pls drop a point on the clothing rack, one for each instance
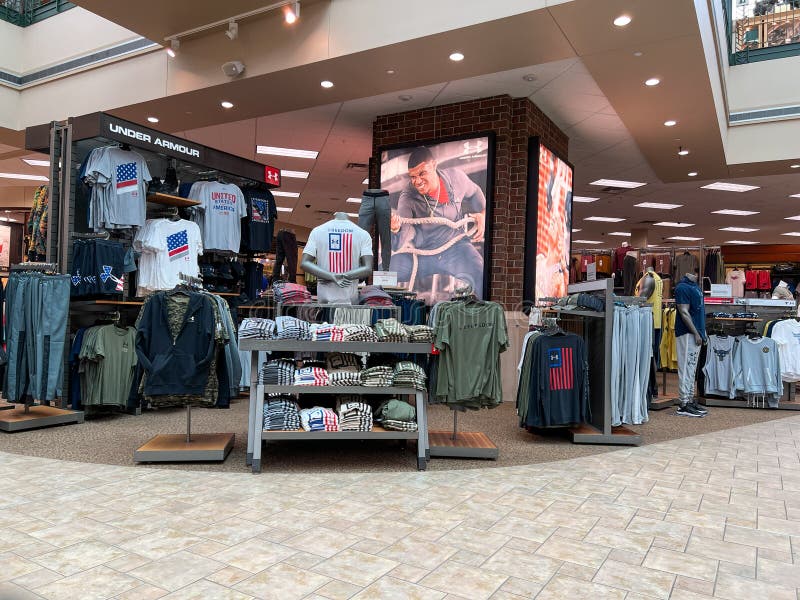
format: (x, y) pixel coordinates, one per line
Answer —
(100, 235)
(39, 267)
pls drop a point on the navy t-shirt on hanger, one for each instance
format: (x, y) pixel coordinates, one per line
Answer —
(258, 227)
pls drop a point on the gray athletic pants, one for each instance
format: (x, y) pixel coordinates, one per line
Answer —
(688, 355)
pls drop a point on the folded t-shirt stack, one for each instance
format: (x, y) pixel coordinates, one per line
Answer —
(291, 293)
(396, 414)
(374, 296)
(390, 330)
(311, 376)
(377, 376)
(419, 334)
(343, 369)
(409, 374)
(277, 372)
(291, 328)
(354, 415)
(281, 413)
(261, 329)
(359, 333)
(327, 333)
(319, 419)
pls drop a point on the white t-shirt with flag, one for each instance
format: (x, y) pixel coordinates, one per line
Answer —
(168, 249)
(338, 246)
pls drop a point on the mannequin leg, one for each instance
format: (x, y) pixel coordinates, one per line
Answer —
(688, 355)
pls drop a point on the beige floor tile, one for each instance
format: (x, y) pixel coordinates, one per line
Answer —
(177, 570)
(663, 530)
(282, 582)
(731, 587)
(303, 560)
(681, 564)
(324, 542)
(126, 563)
(469, 582)
(511, 562)
(229, 576)
(254, 555)
(32, 549)
(589, 555)
(720, 550)
(207, 548)
(356, 567)
(388, 532)
(566, 588)
(79, 557)
(576, 571)
(73, 532)
(471, 559)
(474, 540)
(779, 573)
(37, 579)
(338, 590)
(408, 573)
(521, 587)
(389, 588)
(12, 591)
(746, 571)
(635, 579)
(206, 590)
(523, 528)
(98, 583)
(627, 557)
(161, 543)
(781, 526)
(143, 592)
(757, 537)
(620, 539)
(425, 555)
(678, 594)
(13, 566)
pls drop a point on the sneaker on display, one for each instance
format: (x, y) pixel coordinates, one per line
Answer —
(687, 410)
(699, 408)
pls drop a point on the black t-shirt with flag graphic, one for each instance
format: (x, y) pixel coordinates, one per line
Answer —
(258, 227)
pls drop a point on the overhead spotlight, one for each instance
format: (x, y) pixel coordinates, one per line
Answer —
(174, 45)
(794, 166)
(456, 57)
(652, 81)
(682, 151)
(233, 30)
(226, 104)
(326, 84)
(670, 123)
(291, 12)
(153, 119)
(622, 20)
(692, 174)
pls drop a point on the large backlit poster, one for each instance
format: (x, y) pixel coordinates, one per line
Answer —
(5, 246)
(440, 194)
(549, 224)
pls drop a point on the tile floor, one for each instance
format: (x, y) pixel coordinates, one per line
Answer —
(711, 516)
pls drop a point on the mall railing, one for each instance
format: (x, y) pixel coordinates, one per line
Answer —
(762, 29)
(28, 12)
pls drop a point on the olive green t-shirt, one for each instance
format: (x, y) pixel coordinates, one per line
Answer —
(113, 351)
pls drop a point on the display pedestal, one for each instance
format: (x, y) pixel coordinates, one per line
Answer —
(469, 444)
(17, 418)
(6, 405)
(588, 434)
(175, 448)
(662, 403)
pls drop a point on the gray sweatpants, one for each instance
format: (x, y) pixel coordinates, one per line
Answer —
(688, 355)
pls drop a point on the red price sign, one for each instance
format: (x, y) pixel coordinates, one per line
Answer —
(272, 175)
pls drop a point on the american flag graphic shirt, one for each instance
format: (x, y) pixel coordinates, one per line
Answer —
(340, 252)
(562, 374)
(178, 245)
(127, 180)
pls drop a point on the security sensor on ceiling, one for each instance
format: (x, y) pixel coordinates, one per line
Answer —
(233, 68)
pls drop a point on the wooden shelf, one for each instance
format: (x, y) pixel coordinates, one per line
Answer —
(736, 319)
(104, 303)
(468, 444)
(365, 390)
(169, 200)
(227, 294)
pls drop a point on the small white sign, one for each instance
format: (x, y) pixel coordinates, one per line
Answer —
(591, 272)
(384, 278)
(721, 290)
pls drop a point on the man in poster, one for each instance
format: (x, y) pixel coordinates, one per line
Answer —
(554, 226)
(447, 249)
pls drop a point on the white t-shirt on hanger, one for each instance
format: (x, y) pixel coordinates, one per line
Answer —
(787, 335)
(168, 249)
(223, 207)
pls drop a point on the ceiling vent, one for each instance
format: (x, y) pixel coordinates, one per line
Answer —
(647, 222)
(613, 190)
(357, 166)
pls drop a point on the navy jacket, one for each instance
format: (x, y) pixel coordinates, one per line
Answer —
(182, 366)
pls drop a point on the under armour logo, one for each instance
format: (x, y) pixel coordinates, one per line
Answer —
(473, 148)
(106, 274)
(76, 279)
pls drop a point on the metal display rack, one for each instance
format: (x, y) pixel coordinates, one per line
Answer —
(256, 434)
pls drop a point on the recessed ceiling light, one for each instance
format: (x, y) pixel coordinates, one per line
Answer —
(226, 104)
(736, 213)
(729, 187)
(286, 194)
(795, 218)
(673, 224)
(605, 219)
(739, 229)
(682, 151)
(366, 181)
(354, 215)
(586, 242)
(658, 205)
(585, 199)
(529, 77)
(456, 57)
(792, 196)
(684, 238)
(10, 219)
(652, 81)
(283, 208)
(153, 119)
(740, 242)
(792, 233)
(670, 123)
(794, 166)
(390, 71)
(622, 20)
(617, 183)
(354, 200)
(22, 176)
(326, 84)
(405, 97)
(692, 173)
(291, 152)
(574, 230)
(638, 53)
(620, 234)
(36, 163)
(294, 174)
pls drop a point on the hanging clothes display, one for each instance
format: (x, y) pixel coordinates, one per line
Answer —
(36, 227)
(686, 263)
(37, 307)
(285, 251)
(99, 267)
(107, 365)
(258, 227)
(718, 367)
(756, 369)
(554, 381)
(469, 335)
(786, 334)
(629, 272)
(736, 279)
(222, 206)
(668, 350)
(631, 358)
(168, 249)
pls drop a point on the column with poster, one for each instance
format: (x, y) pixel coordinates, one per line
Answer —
(5, 246)
(440, 195)
(548, 229)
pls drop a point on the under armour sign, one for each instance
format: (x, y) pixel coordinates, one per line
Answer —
(272, 175)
